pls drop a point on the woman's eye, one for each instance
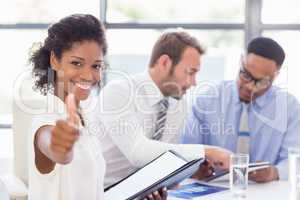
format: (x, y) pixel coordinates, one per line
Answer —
(76, 63)
(97, 66)
(100, 67)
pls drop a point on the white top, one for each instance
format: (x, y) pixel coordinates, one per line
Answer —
(82, 178)
(128, 110)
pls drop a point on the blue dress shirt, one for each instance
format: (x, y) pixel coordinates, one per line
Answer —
(274, 123)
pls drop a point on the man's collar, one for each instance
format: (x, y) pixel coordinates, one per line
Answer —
(152, 92)
(259, 101)
(262, 100)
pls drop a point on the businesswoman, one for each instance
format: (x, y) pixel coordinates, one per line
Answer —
(65, 161)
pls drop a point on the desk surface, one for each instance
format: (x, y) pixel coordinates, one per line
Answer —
(278, 190)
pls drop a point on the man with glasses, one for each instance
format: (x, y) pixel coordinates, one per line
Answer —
(250, 115)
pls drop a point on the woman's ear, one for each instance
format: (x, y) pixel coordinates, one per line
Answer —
(54, 63)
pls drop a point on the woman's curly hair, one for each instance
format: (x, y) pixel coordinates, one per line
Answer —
(61, 37)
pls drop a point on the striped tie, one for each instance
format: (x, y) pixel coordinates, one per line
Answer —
(243, 142)
(161, 119)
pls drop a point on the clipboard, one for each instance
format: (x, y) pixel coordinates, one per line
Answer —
(168, 180)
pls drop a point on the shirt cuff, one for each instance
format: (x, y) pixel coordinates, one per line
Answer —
(191, 151)
(283, 171)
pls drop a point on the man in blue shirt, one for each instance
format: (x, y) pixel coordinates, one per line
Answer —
(273, 114)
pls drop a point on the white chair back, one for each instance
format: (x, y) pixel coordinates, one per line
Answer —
(23, 112)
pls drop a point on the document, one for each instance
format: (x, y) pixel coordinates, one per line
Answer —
(194, 190)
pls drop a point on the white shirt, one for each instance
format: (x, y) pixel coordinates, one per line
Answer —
(128, 110)
(81, 179)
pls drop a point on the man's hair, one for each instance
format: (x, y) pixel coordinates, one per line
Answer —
(173, 44)
(267, 48)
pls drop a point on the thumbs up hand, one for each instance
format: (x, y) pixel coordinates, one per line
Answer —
(65, 133)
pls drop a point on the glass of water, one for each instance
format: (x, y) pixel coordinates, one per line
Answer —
(294, 173)
(239, 164)
(297, 191)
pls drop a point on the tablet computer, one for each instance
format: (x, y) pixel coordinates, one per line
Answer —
(252, 167)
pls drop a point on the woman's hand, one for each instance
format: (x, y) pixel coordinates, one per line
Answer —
(65, 133)
(158, 195)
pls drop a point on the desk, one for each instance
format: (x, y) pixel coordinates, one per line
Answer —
(3, 192)
(278, 190)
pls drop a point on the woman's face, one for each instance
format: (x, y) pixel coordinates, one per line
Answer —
(78, 70)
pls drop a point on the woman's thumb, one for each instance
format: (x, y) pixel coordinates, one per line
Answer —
(71, 109)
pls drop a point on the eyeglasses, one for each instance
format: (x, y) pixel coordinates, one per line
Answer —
(259, 83)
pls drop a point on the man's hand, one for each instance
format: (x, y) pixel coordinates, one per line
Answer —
(205, 170)
(158, 195)
(264, 175)
(219, 157)
(65, 133)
